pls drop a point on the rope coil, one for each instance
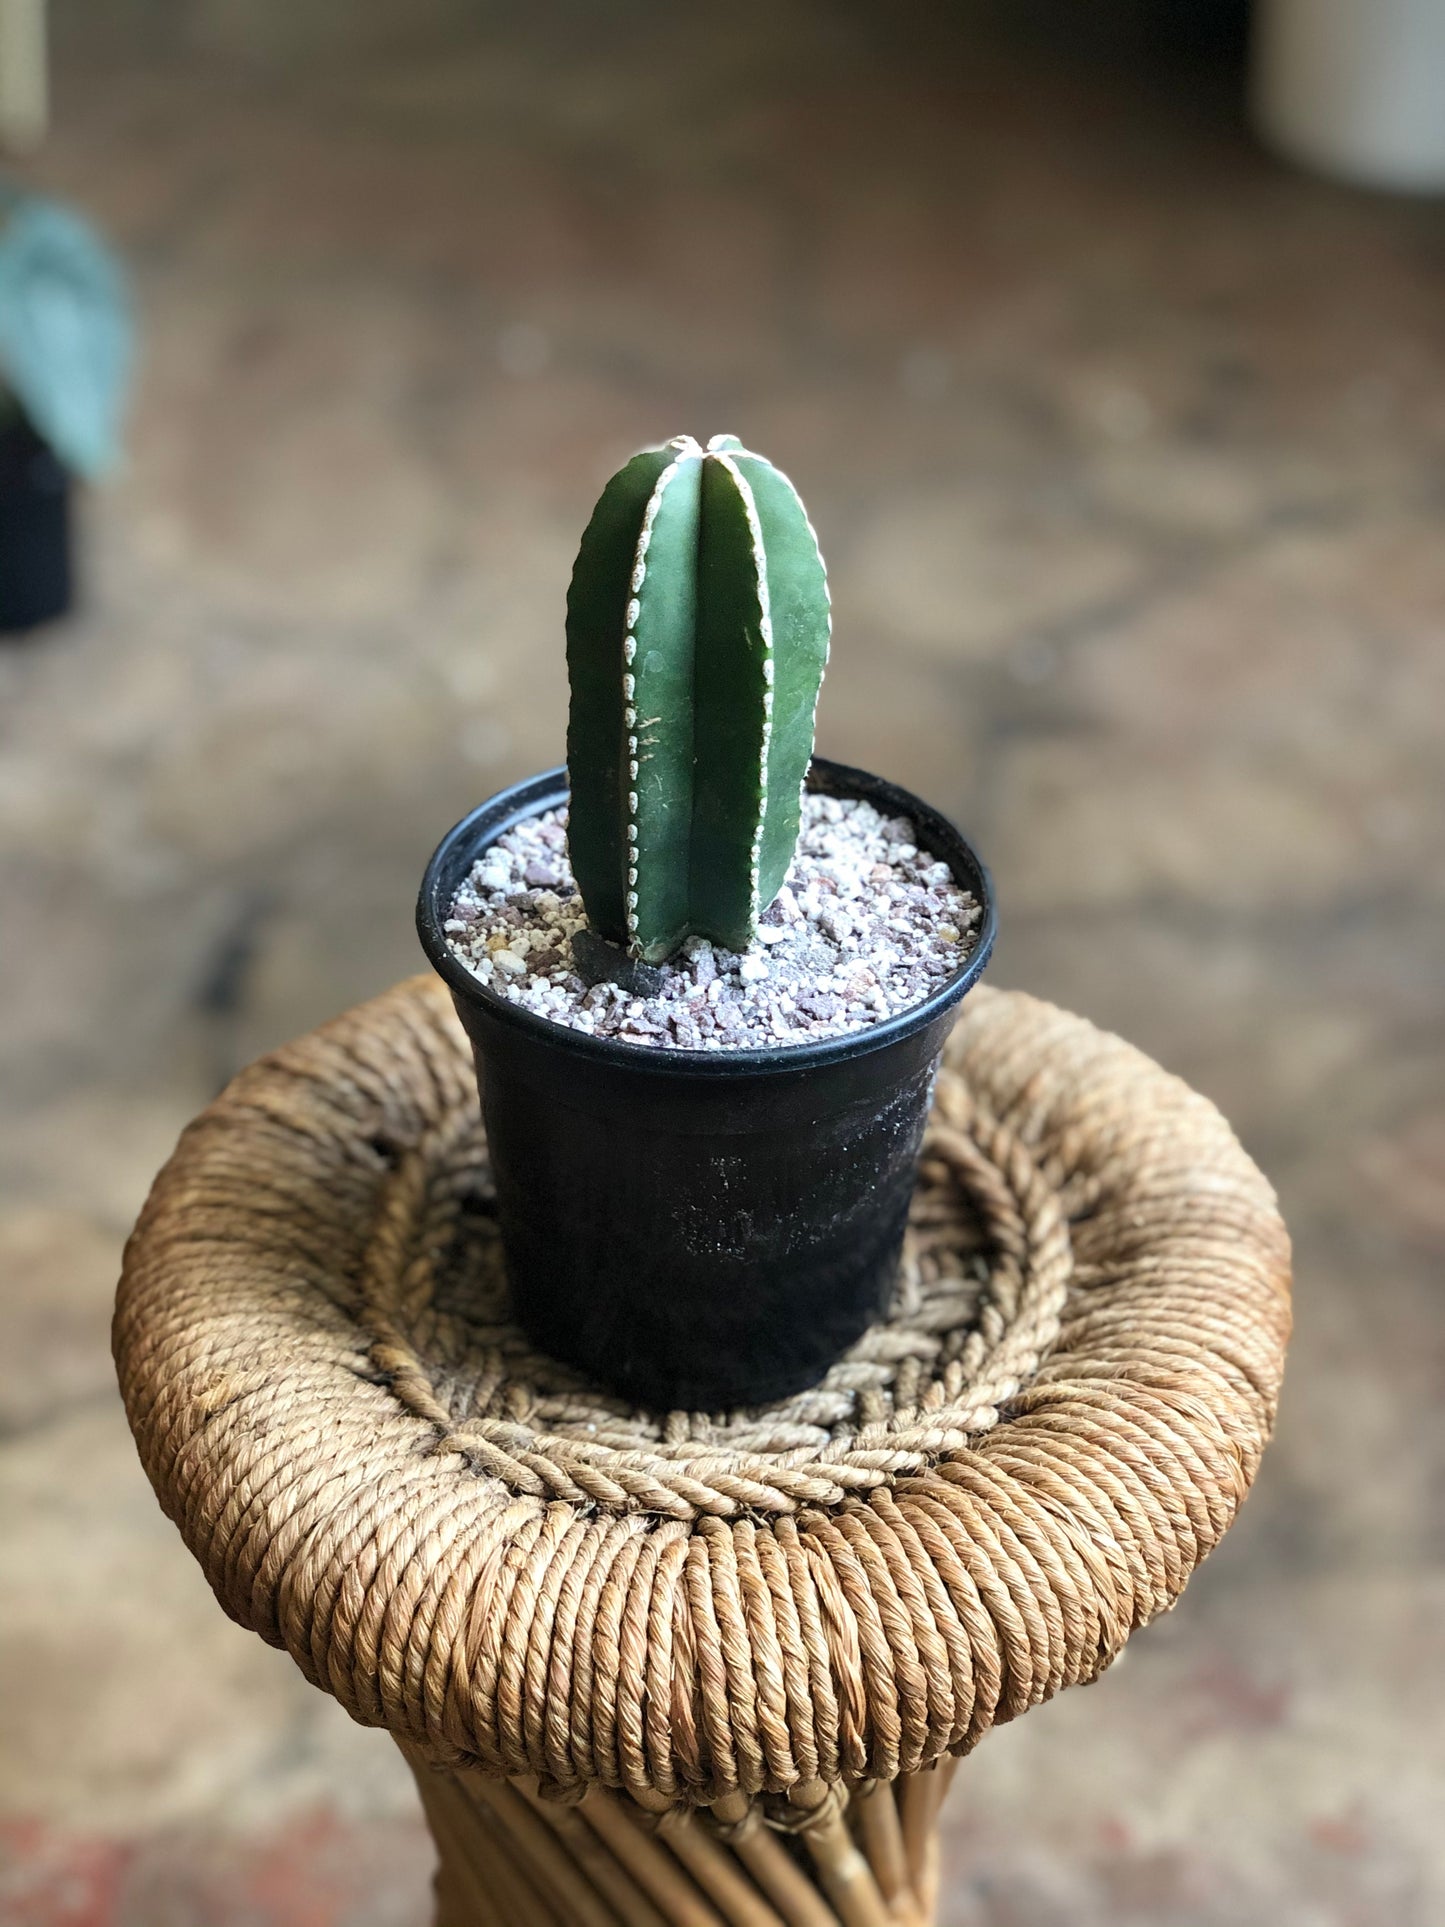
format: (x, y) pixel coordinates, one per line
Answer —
(467, 1544)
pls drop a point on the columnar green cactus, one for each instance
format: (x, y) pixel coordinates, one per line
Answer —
(697, 634)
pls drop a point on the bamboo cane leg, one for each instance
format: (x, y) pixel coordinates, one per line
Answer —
(464, 1897)
(523, 1898)
(613, 1881)
(510, 1859)
(717, 1872)
(782, 1879)
(945, 1770)
(456, 1904)
(453, 1909)
(844, 1874)
(875, 1812)
(552, 1873)
(919, 1796)
(650, 1864)
(919, 1800)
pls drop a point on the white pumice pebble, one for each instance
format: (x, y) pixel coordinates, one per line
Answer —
(865, 926)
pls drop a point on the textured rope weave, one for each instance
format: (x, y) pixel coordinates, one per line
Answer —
(465, 1543)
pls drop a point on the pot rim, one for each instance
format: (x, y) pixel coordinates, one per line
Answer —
(518, 802)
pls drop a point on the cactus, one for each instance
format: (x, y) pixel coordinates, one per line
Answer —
(697, 634)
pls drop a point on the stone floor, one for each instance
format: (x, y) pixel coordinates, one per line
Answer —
(1128, 451)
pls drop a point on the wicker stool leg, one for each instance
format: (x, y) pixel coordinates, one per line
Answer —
(510, 1858)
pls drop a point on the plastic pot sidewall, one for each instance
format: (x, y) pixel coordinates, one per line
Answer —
(35, 568)
(696, 1243)
(699, 1229)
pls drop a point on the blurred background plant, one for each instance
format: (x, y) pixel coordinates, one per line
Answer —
(65, 353)
(65, 330)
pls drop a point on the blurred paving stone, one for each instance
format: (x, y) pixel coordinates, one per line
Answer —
(1110, 820)
(317, 1870)
(90, 1153)
(1253, 1787)
(55, 1308)
(965, 574)
(164, 1710)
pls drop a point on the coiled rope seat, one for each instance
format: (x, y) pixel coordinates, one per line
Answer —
(677, 1667)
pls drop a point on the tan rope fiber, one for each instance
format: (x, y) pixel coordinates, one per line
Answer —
(520, 1577)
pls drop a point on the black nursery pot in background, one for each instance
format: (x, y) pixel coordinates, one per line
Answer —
(700, 1229)
(35, 583)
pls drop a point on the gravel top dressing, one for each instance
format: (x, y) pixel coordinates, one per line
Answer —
(866, 926)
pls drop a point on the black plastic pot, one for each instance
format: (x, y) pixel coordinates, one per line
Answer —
(699, 1229)
(35, 583)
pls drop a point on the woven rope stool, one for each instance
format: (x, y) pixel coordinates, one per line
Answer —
(678, 1668)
